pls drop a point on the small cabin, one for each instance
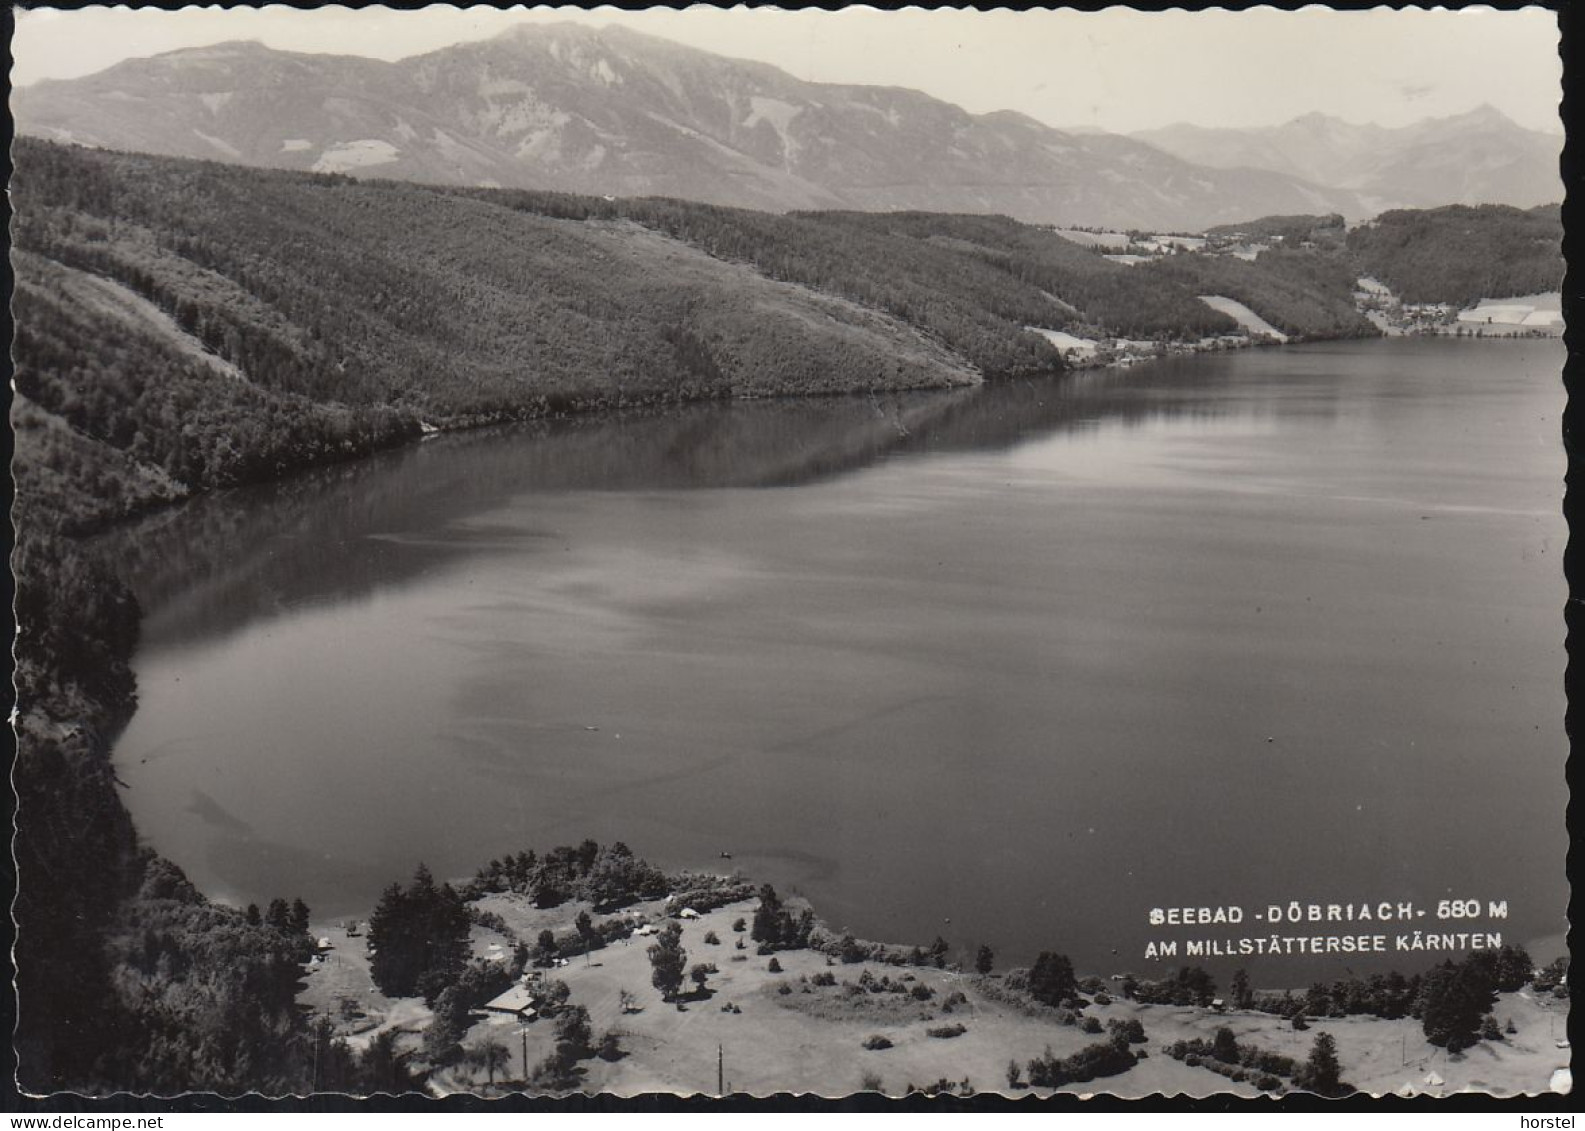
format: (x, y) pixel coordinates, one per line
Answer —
(516, 1002)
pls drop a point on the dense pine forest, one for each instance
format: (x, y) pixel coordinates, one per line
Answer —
(184, 326)
(1459, 255)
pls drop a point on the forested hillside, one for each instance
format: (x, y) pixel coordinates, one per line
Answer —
(186, 325)
(1459, 255)
(1307, 294)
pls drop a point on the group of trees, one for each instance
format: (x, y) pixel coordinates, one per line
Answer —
(336, 1067)
(127, 977)
(1051, 980)
(607, 877)
(1302, 292)
(1104, 1058)
(418, 937)
(1190, 985)
(1455, 998)
(1461, 254)
(1227, 1056)
(777, 928)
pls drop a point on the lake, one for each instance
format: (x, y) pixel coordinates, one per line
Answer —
(1013, 665)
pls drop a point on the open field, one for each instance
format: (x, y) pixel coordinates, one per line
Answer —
(811, 1038)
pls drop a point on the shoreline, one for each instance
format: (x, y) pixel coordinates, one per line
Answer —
(805, 1012)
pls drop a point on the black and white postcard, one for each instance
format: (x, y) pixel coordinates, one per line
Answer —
(750, 551)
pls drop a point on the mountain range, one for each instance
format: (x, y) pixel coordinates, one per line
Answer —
(612, 112)
(1481, 157)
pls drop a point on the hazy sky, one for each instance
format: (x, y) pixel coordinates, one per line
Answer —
(1117, 70)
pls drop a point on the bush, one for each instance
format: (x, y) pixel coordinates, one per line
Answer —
(921, 992)
(877, 1042)
(783, 988)
(774, 966)
(945, 1031)
(1105, 1059)
(1132, 1030)
(1090, 1025)
(712, 939)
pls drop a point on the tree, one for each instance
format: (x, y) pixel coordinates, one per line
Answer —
(767, 918)
(1552, 974)
(418, 931)
(1195, 985)
(984, 960)
(585, 927)
(1224, 1046)
(667, 959)
(491, 1056)
(554, 994)
(382, 1068)
(1051, 979)
(574, 1036)
(1454, 998)
(1321, 1073)
(279, 916)
(700, 975)
(446, 1029)
(545, 948)
(252, 915)
(1243, 996)
(1513, 968)
(298, 917)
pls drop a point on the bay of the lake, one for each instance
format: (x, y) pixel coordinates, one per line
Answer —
(1013, 665)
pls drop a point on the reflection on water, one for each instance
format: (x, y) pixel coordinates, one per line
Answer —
(1035, 658)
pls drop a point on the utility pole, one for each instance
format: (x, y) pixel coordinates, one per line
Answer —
(720, 1071)
(524, 1032)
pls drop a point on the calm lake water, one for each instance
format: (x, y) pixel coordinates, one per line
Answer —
(1012, 665)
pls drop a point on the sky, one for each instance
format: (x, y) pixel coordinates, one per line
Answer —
(1118, 70)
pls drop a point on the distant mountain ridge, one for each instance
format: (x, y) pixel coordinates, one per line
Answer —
(1481, 157)
(610, 111)
(614, 112)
